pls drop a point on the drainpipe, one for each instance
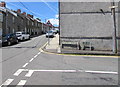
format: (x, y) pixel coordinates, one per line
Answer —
(114, 30)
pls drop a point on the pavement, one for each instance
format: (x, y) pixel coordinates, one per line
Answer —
(54, 47)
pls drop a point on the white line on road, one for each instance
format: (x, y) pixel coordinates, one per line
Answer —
(39, 53)
(30, 72)
(18, 72)
(87, 71)
(25, 65)
(35, 56)
(7, 82)
(67, 71)
(55, 70)
(31, 60)
(22, 82)
(104, 72)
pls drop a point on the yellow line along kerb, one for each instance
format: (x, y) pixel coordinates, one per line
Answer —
(41, 49)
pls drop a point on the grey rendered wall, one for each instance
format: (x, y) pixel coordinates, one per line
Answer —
(85, 19)
(118, 32)
(86, 25)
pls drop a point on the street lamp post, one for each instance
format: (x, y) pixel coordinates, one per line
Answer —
(49, 24)
(48, 36)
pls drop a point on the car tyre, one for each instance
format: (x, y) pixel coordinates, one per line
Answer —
(23, 38)
(29, 38)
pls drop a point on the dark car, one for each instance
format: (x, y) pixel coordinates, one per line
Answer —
(9, 39)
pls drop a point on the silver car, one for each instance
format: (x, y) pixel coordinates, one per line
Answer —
(50, 34)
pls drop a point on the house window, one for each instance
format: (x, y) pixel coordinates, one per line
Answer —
(28, 22)
(13, 30)
(1, 17)
(8, 29)
(7, 14)
(32, 23)
(13, 19)
(22, 21)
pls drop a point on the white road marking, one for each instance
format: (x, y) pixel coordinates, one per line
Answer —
(55, 70)
(67, 71)
(31, 60)
(104, 72)
(39, 53)
(18, 72)
(22, 82)
(41, 50)
(87, 71)
(35, 56)
(25, 65)
(7, 82)
(30, 72)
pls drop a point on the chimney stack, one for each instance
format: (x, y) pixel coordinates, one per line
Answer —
(2, 4)
(24, 13)
(30, 15)
(18, 11)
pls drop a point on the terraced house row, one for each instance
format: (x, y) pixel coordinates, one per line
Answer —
(13, 21)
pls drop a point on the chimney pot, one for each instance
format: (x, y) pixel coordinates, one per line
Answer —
(18, 11)
(2, 4)
(24, 13)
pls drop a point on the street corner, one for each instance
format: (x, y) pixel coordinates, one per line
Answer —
(58, 52)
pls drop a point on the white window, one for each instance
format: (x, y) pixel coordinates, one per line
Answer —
(36, 23)
(13, 19)
(28, 22)
(22, 20)
(13, 30)
(1, 17)
(32, 23)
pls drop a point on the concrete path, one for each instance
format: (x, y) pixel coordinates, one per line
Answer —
(53, 46)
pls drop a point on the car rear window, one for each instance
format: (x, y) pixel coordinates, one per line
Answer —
(50, 32)
(23, 33)
(18, 33)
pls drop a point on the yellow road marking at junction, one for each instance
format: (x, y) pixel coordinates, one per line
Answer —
(41, 50)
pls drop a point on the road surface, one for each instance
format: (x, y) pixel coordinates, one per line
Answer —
(24, 64)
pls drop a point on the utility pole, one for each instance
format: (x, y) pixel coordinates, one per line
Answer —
(49, 24)
(114, 30)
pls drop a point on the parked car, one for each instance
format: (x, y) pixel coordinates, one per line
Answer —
(54, 31)
(22, 35)
(9, 39)
(50, 34)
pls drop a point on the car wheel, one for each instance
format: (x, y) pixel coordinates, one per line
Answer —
(29, 38)
(9, 43)
(23, 38)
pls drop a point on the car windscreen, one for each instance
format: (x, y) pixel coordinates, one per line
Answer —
(50, 32)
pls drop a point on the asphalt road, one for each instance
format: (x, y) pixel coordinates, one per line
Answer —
(24, 64)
